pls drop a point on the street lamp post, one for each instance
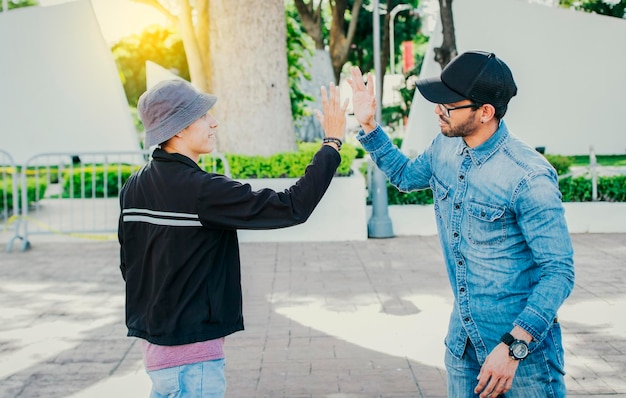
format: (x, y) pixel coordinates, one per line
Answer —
(379, 225)
(392, 17)
(5, 5)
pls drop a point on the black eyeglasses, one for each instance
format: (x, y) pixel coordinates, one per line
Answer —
(446, 111)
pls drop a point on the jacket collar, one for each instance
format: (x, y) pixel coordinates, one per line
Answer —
(160, 155)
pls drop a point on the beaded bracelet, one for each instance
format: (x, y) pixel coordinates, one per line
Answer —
(337, 141)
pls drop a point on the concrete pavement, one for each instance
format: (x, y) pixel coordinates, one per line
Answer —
(336, 320)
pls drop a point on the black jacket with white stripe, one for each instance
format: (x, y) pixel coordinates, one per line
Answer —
(179, 251)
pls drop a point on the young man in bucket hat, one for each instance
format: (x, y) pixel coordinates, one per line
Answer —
(178, 236)
(501, 225)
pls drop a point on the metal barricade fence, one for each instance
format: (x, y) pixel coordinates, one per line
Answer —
(76, 194)
(9, 194)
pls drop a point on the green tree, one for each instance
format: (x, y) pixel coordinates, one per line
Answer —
(191, 19)
(236, 49)
(299, 52)
(164, 47)
(12, 4)
(447, 51)
(406, 25)
(611, 9)
(343, 26)
(160, 45)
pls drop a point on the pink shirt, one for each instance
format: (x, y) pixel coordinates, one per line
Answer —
(157, 357)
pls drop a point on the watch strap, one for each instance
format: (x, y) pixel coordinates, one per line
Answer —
(507, 339)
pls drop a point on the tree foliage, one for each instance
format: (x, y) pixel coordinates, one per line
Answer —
(406, 25)
(160, 45)
(299, 52)
(353, 31)
(13, 4)
(164, 47)
(342, 31)
(191, 19)
(612, 9)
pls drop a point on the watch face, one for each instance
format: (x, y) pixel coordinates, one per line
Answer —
(519, 350)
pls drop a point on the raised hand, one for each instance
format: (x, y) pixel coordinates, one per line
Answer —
(333, 119)
(363, 99)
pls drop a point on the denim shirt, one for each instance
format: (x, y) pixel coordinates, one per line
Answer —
(502, 229)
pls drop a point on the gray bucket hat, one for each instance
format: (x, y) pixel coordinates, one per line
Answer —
(169, 107)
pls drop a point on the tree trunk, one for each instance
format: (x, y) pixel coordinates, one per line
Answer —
(447, 51)
(311, 17)
(202, 36)
(249, 64)
(197, 52)
(340, 40)
(385, 52)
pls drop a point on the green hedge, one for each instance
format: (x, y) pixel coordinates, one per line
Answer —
(610, 189)
(282, 165)
(36, 190)
(560, 163)
(81, 178)
(292, 165)
(395, 197)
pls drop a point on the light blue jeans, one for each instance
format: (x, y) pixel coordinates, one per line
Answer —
(198, 380)
(538, 376)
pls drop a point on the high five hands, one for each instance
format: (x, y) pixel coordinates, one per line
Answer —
(333, 118)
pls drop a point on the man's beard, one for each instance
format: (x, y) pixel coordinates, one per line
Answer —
(462, 130)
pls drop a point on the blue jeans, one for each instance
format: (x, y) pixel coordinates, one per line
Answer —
(540, 375)
(198, 380)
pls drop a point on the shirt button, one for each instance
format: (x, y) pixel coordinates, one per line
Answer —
(460, 263)
(462, 177)
(462, 290)
(456, 234)
(457, 206)
(466, 319)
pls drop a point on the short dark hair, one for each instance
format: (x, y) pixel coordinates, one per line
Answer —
(500, 110)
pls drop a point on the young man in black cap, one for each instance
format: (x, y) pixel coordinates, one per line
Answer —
(178, 236)
(501, 225)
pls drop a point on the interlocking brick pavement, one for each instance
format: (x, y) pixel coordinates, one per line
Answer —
(332, 320)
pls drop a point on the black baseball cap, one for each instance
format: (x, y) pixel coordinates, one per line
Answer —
(478, 76)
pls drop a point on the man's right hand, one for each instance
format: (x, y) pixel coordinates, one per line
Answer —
(363, 99)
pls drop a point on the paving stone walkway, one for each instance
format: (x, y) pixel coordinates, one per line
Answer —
(333, 320)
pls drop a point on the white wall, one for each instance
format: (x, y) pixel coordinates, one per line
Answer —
(340, 215)
(569, 67)
(59, 87)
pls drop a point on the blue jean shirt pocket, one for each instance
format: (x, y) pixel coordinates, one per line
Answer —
(486, 223)
(440, 194)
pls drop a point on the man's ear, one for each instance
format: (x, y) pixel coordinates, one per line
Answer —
(488, 112)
